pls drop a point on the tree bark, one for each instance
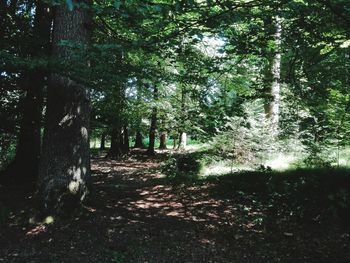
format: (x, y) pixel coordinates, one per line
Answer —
(139, 140)
(65, 164)
(272, 109)
(162, 141)
(174, 142)
(126, 146)
(183, 140)
(26, 161)
(152, 130)
(115, 151)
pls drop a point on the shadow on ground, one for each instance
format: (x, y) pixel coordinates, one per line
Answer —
(134, 214)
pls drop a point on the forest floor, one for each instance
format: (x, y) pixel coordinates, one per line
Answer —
(134, 214)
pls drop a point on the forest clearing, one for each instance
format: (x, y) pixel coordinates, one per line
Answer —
(175, 131)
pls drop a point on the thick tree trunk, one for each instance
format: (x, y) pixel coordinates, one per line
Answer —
(26, 162)
(162, 141)
(103, 141)
(152, 130)
(65, 164)
(272, 109)
(139, 140)
(115, 151)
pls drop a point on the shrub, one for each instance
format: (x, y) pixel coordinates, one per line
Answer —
(183, 166)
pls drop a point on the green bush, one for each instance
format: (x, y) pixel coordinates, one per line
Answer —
(183, 166)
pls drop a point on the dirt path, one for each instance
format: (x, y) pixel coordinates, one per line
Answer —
(136, 215)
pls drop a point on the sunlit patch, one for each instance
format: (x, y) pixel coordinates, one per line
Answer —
(73, 187)
(36, 230)
(84, 133)
(281, 162)
(90, 209)
(49, 220)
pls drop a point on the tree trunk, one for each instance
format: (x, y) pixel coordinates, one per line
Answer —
(174, 142)
(103, 141)
(26, 162)
(126, 147)
(115, 151)
(65, 164)
(183, 135)
(272, 109)
(139, 140)
(162, 141)
(183, 140)
(152, 130)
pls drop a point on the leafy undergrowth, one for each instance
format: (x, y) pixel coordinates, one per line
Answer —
(134, 214)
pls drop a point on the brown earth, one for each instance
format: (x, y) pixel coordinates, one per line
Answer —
(135, 215)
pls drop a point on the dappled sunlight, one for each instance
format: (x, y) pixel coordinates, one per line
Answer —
(133, 206)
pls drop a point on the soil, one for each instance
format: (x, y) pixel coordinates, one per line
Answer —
(134, 214)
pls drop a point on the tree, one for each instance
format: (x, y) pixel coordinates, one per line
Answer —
(65, 163)
(273, 107)
(153, 127)
(25, 165)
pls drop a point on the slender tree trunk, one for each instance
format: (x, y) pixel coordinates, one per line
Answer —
(26, 162)
(138, 137)
(272, 109)
(174, 142)
(162, 141)
(65, 164)
(183, 135)
(139, 140)
(152, 130)
(183, 140)
(126, 146)
(103, 141)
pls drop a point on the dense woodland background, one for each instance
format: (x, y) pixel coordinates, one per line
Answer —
(243, 101)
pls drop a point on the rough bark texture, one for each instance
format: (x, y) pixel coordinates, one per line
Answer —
(139, 140)
(26, 162)
(152, 130)
(272, 109)
(115, 151)
(162, 141)
(65, 163)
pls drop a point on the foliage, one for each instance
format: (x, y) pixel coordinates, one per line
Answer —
(7, 149)
(247, 138)
(183, 166)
